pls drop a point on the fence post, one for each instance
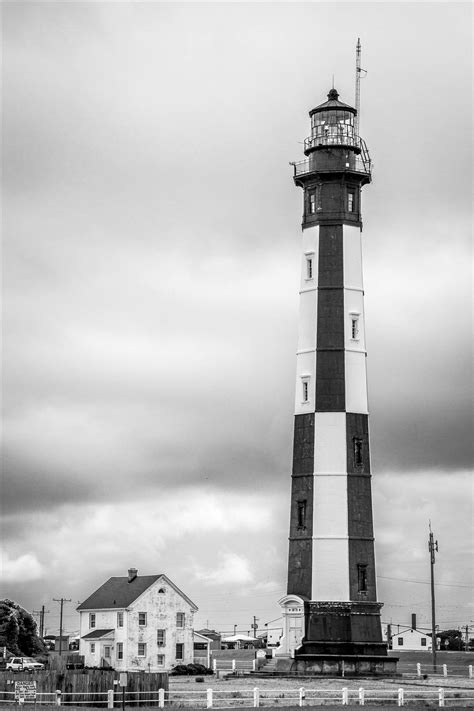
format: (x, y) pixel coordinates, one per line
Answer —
(58, 697)
(445, 670)
(254, 665)
(361, 696)
(401, 699)
(110, 699)
(233, 665)
(161, 698)
(441, 697)
(302, 695)
(214, 665)
(418, 669)
(256, 697)
(470, 671)
(209, 699)
(345, 696)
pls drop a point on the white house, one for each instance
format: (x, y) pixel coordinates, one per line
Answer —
(135, 623)
(410, 640)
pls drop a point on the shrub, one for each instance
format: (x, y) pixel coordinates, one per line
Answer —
(190, 670)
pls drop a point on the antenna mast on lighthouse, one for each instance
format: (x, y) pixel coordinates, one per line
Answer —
(357, 91)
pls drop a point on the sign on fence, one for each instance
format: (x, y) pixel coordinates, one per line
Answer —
(25, 691)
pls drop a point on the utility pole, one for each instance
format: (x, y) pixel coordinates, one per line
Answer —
(235, 629)
(61, 600)
(255, 626)
(432, 547)
(41, 614)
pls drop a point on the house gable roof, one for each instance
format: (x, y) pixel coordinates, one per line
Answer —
(118, 592)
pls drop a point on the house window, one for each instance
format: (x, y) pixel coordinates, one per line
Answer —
(400, 641)
(423, 641)
(142, 649)
(161, 638)
(160, 660)
(119, 619)
(312, 203)
(92, 647)
(119, 650)
(92, 619)
(180, 619)
(107, 652)
(358, 460)
(362, 577)
(309, 267)
(301, 514)
(180, 651)
(161, 591)
(350, 201)
(142, 619)
(355, 328)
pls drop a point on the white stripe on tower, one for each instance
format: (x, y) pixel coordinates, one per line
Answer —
(354, 343)
(307, 324)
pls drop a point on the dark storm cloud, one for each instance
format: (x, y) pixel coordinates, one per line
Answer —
(152, 245)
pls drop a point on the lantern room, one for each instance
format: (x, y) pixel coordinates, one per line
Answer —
(332, 124)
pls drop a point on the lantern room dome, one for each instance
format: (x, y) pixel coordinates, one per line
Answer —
(333, 103)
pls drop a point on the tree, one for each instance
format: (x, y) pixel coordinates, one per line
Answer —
(18, 630)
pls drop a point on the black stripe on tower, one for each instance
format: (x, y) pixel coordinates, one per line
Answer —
(330, 368)
(359, 504)
(301, 515)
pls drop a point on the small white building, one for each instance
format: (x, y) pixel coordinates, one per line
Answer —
(411, 640)
(137, 623)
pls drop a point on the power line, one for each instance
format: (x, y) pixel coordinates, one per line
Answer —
(425, 582)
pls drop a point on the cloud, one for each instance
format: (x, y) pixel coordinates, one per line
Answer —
(229, 568)
(25, 568)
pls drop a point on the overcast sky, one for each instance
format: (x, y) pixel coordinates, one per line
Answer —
(151, 237)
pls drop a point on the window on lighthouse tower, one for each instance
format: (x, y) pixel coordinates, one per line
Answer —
(350, 201)
(302, 514)
(354, 327)
(305, 389)
(362, 577)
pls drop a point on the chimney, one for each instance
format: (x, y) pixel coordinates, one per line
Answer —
(132, 574)
(413, 621)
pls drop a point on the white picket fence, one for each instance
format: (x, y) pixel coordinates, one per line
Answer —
(245, 698)
(420, 670)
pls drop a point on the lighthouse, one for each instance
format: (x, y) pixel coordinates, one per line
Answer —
(331, 616)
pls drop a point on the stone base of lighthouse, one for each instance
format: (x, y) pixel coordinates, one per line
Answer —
(333, 639)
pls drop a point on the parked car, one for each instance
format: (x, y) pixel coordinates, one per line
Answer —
(18, 664)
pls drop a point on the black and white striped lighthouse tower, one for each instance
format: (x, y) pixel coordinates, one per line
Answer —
(331, 611)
